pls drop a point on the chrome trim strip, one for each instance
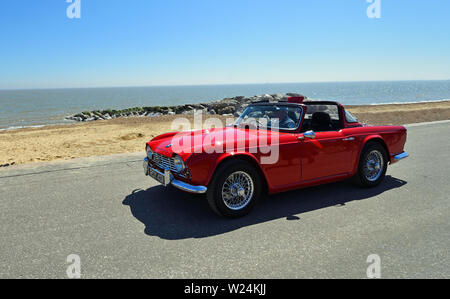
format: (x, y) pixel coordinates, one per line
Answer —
(189, 188)
(176, 183)
(401, 156)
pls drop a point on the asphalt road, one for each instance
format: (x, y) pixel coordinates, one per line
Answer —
(123, 226)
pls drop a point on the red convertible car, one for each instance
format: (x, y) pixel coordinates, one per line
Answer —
(274, 147)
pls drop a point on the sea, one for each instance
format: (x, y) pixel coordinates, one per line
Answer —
(40, 107)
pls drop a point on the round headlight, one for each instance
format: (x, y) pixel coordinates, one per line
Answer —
(179, 164)
(149, 152)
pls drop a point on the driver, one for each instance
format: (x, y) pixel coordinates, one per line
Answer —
(282, 119)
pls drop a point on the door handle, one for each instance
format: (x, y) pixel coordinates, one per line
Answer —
(348, 139)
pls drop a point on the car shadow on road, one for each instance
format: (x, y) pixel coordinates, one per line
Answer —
(172, 214)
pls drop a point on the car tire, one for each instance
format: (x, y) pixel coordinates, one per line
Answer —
(235, 189)
(372, 165)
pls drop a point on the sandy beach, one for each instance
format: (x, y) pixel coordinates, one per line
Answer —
(126, 135)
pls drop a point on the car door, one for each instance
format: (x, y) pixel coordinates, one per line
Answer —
(328, 154)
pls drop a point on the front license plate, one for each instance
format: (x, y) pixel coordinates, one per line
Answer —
(160, 178)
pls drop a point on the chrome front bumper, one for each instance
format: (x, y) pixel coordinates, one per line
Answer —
(168, 179)
(401, 156)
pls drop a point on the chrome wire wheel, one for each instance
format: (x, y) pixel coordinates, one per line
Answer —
(237, 191)
(373, 166)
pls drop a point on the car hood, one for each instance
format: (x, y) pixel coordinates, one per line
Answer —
(225, 139)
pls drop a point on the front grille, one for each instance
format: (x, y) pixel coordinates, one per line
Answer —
(164, 162)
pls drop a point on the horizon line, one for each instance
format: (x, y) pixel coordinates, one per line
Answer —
(216, 84)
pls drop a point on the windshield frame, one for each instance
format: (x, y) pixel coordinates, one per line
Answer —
(285, 104)
(350, 118)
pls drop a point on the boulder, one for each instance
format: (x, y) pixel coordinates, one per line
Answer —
(227, 110)
(197, 106)
(266, 97)
(223, 104)
(189, 112)
(291, 94)
(153, 114)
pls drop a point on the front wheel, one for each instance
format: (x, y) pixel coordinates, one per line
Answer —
(234, 189)
(372, 165)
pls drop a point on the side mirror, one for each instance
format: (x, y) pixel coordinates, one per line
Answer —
(309, 135)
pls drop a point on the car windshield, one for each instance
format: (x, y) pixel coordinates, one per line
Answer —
(350, 117)
(276, 116)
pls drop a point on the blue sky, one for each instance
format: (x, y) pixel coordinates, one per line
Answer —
(190, 42)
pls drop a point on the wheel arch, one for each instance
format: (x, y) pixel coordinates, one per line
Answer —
(240, 156)
(371, 139)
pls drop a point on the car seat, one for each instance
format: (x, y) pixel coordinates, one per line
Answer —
(321, 122)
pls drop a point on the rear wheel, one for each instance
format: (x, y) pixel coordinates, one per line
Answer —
(234, 189)
(372, 165)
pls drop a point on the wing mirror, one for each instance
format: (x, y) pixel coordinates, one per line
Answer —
(309, 135)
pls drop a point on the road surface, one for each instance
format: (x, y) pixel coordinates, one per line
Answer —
(122, 225)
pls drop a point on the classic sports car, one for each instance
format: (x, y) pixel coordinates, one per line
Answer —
(274, 147)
